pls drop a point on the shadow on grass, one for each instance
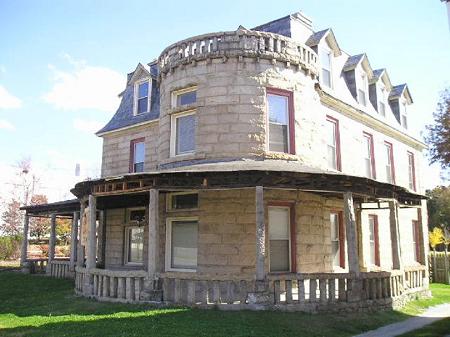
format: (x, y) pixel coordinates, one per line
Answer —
(33, 305)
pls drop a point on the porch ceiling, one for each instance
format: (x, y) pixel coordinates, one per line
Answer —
(247, 173)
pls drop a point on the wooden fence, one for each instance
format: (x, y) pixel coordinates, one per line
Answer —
(439, 263)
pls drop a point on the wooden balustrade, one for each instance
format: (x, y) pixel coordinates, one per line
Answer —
(37, 266)
(414, 277)
(239, 43)
(60, 269)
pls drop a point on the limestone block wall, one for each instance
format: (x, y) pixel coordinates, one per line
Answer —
(116, 149)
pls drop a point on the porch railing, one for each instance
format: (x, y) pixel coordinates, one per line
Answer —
(37, 266)
(60, 269)
(120, 285)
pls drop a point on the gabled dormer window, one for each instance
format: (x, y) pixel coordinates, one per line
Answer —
(325, 61)
(381, 104)
(362, 90)
(142, 97)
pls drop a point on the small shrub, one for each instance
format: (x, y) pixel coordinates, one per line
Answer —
(10, 247)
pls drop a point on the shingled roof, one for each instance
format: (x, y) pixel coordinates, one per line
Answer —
(315, 39)
(398, 90)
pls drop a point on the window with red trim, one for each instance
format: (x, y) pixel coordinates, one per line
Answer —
(415, 240)
(337, 239)
(369, 156)
(280, 117)
(389, 160)
(333, 143)
(411, 171)
(137, 155)
(373, 240)
(282, 243)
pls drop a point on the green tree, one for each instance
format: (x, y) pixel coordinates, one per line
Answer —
(439, 207)
(438, 137)
(11, 220)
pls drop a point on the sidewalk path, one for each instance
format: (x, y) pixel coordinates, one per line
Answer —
(429, 316)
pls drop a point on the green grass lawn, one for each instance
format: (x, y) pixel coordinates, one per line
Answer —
(32, 305)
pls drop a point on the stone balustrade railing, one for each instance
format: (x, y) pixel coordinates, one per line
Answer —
(113, 285)
(59, 269)
(240, 43)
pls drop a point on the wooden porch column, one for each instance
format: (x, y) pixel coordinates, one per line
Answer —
(24, 250)
(260, 234)
(101, 239)
(350, 232)
(80, 248)
(395, 235)
(73, 241)
(92, 224)
(153, 210)
(52, 242)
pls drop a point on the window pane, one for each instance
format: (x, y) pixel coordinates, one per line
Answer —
(382, 108)
(142, 105)
(139, 152)
(137, 215)
(187, 98)
(368, 166)
(331, 157)
(335, 253)
(361, 97)
(372, 239)
(279, 223)
(325, 59)
(278, 123)
(326, 78)
(404, 122)
(138, 167)
(334, 222)
(184, 201)
(185, 134)
(279, 255)
(331, 141)
(135, 244)
(143, 90)
(184, 244)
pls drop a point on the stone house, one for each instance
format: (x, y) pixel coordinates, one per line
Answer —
(257, 168)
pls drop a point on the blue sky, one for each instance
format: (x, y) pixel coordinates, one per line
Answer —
(62, 64)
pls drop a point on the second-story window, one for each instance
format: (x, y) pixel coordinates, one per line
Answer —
(369, 157)
(137, 155)
(411, 172)
(184, 97)
(325, 60)
(362, 90)
(280, 121)
(389, 160)
(183, 133)
(142, 97)
(333, 143)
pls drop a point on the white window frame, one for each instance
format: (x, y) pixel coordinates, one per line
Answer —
(329, 52)
(338, 265)
(288, 125)
(289, 238)
(136, 95)
(176, 93)
(403, 115)
(127, 246)
(173, 133)
(169, 201)
(168, 253)
(363, 87)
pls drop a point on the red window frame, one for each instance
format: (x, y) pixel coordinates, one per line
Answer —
(415, 227)
(372, 154)
(341, 237)
(290, 97)
(376, 238)
(132, 154)
(391, 155)
(291, 206)
(413, 167)
(338, 141)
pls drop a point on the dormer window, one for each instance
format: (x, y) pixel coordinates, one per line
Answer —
(362, 90)
(381, 104)
(142, 97)
(403, 115)
(325, 61)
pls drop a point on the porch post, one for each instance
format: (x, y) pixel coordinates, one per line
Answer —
(350, 232)
(395, 236)
(80, 248)
(24, 251)
(153, 208)
(73, 241)
(260, 234)
(101, 232)
(92, 244)
(52, 242)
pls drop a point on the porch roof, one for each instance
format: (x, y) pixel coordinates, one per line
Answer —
(247, 173)
(62, 208)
